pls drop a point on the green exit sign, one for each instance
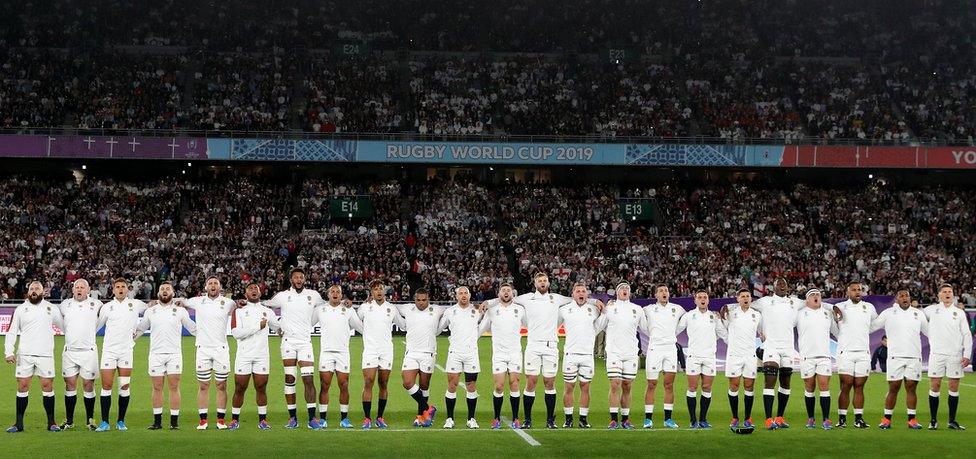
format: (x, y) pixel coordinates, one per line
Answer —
(351, 207)
(636, 209)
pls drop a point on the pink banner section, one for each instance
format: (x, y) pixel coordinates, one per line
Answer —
(858, 156)
(103, 147)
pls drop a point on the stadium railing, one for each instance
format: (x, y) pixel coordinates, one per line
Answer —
(500, 137)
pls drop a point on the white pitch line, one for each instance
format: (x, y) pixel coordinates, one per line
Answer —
(439, 367)
(521, 433)
(967, 384)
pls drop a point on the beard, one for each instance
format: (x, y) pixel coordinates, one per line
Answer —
(34, 298)
(165, 298)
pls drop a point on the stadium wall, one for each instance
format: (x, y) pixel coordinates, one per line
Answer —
(513, 153)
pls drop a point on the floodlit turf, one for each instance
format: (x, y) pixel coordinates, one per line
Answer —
(403, 440)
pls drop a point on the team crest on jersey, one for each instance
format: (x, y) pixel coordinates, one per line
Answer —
(309, 298)
(864, 308)
(264, 314)
(221, 302)
(825, 314)
(343, 309)
(49, 309)
(174, 312)
(634, 311)
(472, 313)
(387, 311)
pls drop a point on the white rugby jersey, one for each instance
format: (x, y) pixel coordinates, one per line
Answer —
(378, 320)
(464, 324)
(704, 328)
(903, 328)
(33, 323)
(662, 323)
(855, 325)
(779, 317)
(582, 322)
(165, 323)
(422, 327)
(623, 319)
(505, 322)
(813, 327)
(948, 331)
(743, 327)
(211, 316)
(542, 314)
(336, 323)
(252, 340)
(120, 319)
(80, 323)
(297, 313)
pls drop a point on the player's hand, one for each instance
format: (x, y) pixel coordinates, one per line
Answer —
(281, 332)
(483, 307)
(838, 314)
(241, 303)
(965, 362)
(600, 305)
(264, 322)
(724, 312)
(346, 302)
(155, 302)
(11, 359)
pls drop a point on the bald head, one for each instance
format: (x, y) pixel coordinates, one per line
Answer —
(80, 289)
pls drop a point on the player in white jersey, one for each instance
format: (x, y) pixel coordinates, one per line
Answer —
(704, 328)
(743, 325)
(542, 348)
(297, 305)
(378, 317)
(853, 352)
(581, 321)
(80, 356)
(904, 325)
(251, 324)
(165, 320)
(120, 316)
(779, 355)
(662, 353)
(623, 320)
(463, 320)
(421, 321)
(336, 322)
(505, 322)
(212, 350)
(950, 347)
(32, 324)
(814, 325)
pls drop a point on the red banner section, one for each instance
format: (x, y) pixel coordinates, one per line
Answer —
(879, 157)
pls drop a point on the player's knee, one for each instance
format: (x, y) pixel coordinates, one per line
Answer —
(222, 385)
(307, 372)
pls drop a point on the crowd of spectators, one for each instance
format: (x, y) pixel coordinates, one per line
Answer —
(783, 70)
(444, 233)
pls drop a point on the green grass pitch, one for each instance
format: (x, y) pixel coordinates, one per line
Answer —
(403, 440)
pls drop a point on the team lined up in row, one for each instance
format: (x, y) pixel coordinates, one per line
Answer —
(771, 318)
